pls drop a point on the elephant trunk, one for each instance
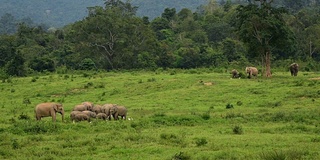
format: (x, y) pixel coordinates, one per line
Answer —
(62, 114)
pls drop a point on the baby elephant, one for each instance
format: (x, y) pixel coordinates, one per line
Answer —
(235, 73)
(102, 116)
(294, 68)
(81, 117)
(90, 114)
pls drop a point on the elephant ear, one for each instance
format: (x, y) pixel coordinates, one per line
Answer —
(55, 107)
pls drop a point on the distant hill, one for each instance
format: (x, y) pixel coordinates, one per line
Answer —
(58, 13)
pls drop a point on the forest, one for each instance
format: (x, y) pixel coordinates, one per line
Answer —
(225, 34)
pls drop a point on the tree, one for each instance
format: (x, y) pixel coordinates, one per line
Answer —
(113, 36)
(263, 29)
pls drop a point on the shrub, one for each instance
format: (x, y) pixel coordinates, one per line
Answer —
(237, 129)
(205, 116)
(289, 154)
(201, 141)
(23, 116)
(87, 64)
(181, 156)
(15, 144)
(229, 106)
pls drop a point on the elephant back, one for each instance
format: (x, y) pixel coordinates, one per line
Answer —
(80, 107)
(90, 114)
(97, 109)
(89, 105)
(101, 116)
(73, 114)
(82, 117)
(106, 108)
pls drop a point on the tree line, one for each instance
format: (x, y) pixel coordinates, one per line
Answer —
(215, 35)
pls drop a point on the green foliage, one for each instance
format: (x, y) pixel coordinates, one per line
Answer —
(87, 64)
(42, 64)
(174, 108)
(201, 141)
(282, 154)
(229, 106)
(181, 156)
(237, 129)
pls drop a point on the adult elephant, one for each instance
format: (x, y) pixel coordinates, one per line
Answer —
(97, 109)
(294, 68)
(251, 71)
(106, 109)
(89, 105)
(49, 110)
(85, 106)
(116, 111)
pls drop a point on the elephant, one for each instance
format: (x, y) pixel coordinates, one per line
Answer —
(89, 105)
(49, 109)
(97, 109)
(73, 114)
(106, 109)
(294, 68)
(116, 111)
(235, 73)
(90, 114)
(102, 116)
(80, 107)
(252, 71)
(81, 117)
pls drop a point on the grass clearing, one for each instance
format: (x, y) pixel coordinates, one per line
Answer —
(177, 114)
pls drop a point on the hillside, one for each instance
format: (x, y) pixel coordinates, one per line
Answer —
(60, 12)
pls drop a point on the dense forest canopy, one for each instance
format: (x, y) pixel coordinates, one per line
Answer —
(220, 34)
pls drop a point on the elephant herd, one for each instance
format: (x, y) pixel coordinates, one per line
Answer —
(82, 112)
(253, 71)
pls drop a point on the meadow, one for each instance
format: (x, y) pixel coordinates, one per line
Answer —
(199, 114)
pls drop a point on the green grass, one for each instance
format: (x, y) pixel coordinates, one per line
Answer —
(175, 116)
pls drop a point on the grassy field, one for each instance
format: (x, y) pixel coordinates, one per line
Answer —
(177, 114)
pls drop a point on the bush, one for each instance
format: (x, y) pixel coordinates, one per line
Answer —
(237, 129)
(205, 116)
(181, 156)
(201, 141)
(87, 64)
(229, 106)
(42, 64)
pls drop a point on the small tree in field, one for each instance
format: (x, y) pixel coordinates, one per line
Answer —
(264, 30)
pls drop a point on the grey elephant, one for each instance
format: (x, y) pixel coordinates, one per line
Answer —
(85, 106)
(294, 68)
(106, 109)
(81, 117)
(235, 73)
(117, 111)
(90, 114)
(49, 110)
(102, 116)
(73, 114)
(97, 109)
(251, 71)
(89, 105)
